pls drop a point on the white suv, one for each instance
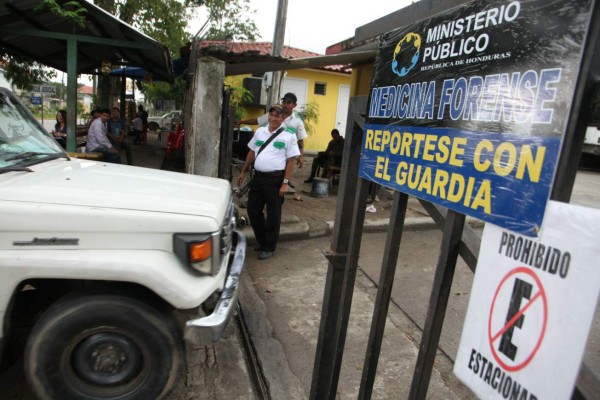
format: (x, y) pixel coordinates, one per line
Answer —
(96, 259)
(164, 122)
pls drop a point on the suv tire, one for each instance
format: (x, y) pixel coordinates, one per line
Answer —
(103, 347)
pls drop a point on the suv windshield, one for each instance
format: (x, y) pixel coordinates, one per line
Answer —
(23, 140)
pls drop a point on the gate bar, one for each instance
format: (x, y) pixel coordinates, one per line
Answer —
(438, 301)
(331, 343)
(384, 293)
(471, 240)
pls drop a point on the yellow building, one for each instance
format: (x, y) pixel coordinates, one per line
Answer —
(327, 87)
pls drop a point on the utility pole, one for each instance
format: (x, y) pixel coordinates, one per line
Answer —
(278, 36)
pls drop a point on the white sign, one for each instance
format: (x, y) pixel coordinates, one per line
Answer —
(44, 89)
(531, 308)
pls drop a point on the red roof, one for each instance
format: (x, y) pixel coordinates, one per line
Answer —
(257, 49)
(86, 90)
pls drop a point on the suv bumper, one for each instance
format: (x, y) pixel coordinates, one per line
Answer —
(209, 329)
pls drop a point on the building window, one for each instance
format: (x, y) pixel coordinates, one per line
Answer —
(320, 88)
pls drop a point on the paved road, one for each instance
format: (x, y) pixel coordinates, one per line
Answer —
(292, 286)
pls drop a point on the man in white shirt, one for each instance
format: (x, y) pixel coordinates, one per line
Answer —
(97, 141)
(292, 122)
(274, 163)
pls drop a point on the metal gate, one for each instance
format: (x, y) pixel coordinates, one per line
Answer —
(458, 239)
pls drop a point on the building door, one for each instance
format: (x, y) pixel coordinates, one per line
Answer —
(297, 86)
(342, 108)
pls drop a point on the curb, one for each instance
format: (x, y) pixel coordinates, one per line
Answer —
(294, 229)
(303, 230)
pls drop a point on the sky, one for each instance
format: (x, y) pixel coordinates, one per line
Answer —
(316, 24)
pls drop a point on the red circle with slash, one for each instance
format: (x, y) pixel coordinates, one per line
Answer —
(539, 296)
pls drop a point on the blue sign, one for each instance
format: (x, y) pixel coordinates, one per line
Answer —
(468, 109)
(36, 100)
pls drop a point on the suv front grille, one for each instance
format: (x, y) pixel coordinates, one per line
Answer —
(227, 230)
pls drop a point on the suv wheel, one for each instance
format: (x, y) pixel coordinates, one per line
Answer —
(103, 347)
(153, 126)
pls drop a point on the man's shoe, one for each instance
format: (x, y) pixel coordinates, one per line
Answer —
(258, 247)
(263, 255)
(309, 180)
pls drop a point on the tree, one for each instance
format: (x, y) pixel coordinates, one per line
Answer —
(165, 21)
(229, 20)
(239, 95)
(165, 91)
(162, 20)
(23, 72)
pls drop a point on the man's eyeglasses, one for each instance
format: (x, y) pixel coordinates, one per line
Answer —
(286, 101)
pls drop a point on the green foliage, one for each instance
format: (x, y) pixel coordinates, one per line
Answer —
(165, 91)
(70, 10)
(239, 95)
(24, 73)
(165, 21)
(310, 116)
(162, 20)
(230, 20)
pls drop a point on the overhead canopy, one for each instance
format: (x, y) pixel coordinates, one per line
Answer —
(44, 37)
(248, 63)
(250, 66)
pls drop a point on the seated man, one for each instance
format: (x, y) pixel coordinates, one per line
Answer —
(116, 134)
(97, 142)
(332, 156)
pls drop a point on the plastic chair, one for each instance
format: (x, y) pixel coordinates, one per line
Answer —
(174, 140)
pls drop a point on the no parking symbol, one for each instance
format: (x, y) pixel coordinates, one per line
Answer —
(531, 307)
(516, 330)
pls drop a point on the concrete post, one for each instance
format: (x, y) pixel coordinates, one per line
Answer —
(203, 130)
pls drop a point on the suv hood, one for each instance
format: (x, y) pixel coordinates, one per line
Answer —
(96, 184)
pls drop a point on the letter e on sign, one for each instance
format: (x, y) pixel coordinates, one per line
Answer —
(516, 328)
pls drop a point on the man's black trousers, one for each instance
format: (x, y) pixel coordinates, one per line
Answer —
(265, 191)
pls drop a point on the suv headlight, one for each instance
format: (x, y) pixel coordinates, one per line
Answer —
(196, 250)
(204, 252)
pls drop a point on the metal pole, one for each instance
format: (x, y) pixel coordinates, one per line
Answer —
(71, 94)
(278, 37)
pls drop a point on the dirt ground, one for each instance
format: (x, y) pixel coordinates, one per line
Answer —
(312, 209)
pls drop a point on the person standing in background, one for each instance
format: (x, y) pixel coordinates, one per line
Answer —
(143, 115)
(292, 122)
(138, 128)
